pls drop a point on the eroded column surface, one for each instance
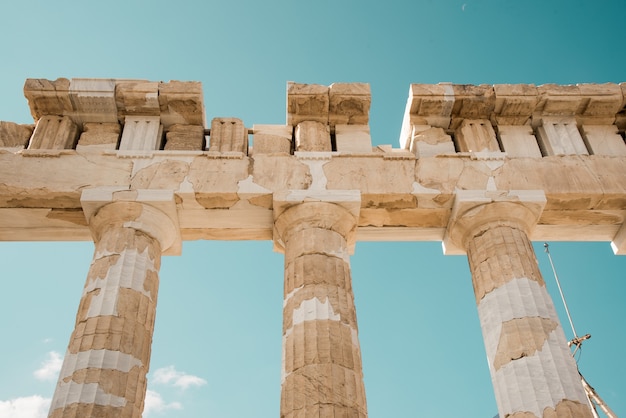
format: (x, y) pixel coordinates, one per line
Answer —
(105, 367)
(322, 374)
(533, 372)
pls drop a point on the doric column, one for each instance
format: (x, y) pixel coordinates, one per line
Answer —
(532, 369)
(322, 374)
(105, 367)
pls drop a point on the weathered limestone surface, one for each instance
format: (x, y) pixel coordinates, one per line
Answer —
(483, 168)
(105, 367)
(13, 135)
(322, 374)
(532, 369)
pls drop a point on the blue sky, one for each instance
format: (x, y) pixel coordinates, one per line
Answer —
(216, 350)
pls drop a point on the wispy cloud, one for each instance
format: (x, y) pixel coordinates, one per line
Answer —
(27, 407)
(50, 368)
(169, 375)
(155, 403)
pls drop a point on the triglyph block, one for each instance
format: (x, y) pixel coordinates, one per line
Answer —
(141, 133)
(560, 136)
(476, 135)
(228, 135)
(54, 132)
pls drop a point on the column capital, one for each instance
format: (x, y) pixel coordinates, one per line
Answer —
(475, 210)
(337, 210)
(150, 211)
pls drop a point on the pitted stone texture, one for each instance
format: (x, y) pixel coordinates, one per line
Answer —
(427, 141)
(270, 139)
(99, 136)
(185, 137)
(307, 102)
(47, 97)
(499, 255)
(109, 352)
(312, 136)
(476, 135)
(228, 135)
(530, 363)
(13, 135)
(322, 373)
(349, 103)
(54, 132)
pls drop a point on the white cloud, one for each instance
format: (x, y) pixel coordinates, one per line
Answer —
(155, 403)
(50, 368)
(169, 375)
(27, 407)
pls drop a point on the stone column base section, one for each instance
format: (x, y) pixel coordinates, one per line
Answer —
(105, 367)
(531, 366)
(321, 373)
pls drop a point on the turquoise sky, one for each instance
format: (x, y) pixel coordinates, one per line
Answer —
(217, 343)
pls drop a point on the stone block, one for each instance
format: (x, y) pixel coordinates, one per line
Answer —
(349, 103)
(99, 136)
(269, 139)
(603, 140)
(427, 141)
(13, 135)
(181, 102)
(307, 102)
(432, 102)
(601, 102)
(47, 97)
(185, 137)
(54, 132)
(312, 136)
(473, 102)
(476, 135)
(560, 136)
(228, 135)
(515, 103)
(93, 100)
(353, 138)
(519, 141)
(141, 133)
(137, 97)
(558, 100)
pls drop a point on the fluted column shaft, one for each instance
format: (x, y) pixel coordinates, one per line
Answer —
(322, 375)
(532, 370)
(105, 367)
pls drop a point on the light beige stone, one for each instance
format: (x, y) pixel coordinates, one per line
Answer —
(430, 142)
(519, 141)
(312, 136)
(99, 136)
(307, 102)
(185, 137)
(141, 133)
(353, 138)
(476, 135)
(46, 97)
(515, 103)
(603, 140)
(270, 139)
(54, 132)
(560, 136)
(228, 135)
(13, 135)
(349, 103)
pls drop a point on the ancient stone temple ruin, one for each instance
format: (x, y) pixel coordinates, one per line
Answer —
(134, 166)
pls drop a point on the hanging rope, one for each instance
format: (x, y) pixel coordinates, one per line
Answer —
(576, 339)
